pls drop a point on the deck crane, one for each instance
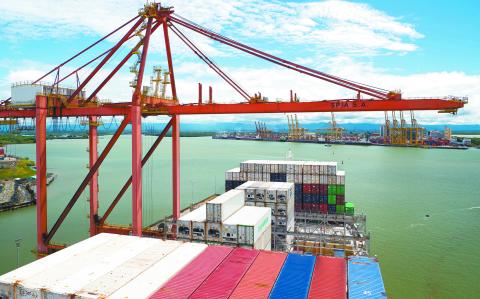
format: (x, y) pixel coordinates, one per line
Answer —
(151, 18)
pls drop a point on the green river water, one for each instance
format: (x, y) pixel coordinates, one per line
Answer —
(435, 257)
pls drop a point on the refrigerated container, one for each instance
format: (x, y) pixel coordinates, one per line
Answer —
(214, 232)
(184, 223)
(252, 222)
(221, 207)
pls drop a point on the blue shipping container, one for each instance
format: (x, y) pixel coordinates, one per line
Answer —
(364, 278)
(294, 278)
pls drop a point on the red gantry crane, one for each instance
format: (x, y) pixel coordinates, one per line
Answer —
(55, 103)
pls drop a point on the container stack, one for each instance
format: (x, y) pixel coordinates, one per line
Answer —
(279, 197)
(226, 220)
(319, 187)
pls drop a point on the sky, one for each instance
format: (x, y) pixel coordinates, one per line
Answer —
(424, 48)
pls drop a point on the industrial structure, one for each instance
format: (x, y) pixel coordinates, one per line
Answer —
(39, 102)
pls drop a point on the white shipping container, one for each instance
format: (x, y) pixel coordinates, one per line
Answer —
(250, 203)
(260, 204)
(78, 266)
(214, 232)
(124, 273)
(316, 179)
(260, 192)
(223, 206)
(290, 178)
(252, 222)
(230, 233)
(298, 179)
(184, 223)
(271, 192)
(341, 177)
(145, 284)
(41, 266)
(199, 230)
(323, 179)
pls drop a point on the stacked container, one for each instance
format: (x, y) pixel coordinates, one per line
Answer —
(279, 197)
(191, 226)
(319, 186)
(249, 227)
(219, 209)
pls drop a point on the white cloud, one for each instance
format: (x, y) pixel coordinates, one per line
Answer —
(352, 27)
(339, 25)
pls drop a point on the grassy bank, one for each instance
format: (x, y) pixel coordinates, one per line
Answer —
(15, 139)
(23, 170)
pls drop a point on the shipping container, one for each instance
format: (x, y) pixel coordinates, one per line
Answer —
(329, 279)
(349, 208)
(294, 278)
(214, 232)
(194, 274)
(38, 268)
(145, 284)
(184, 223)
(82, 267)
(364, 278)
(251, 222)
(128, 270)
(199, 230)
(223, 206)
(223, 280)
(260, 277)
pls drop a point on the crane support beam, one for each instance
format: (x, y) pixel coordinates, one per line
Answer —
(92, 157)
(176, 166)
(129, 181)
(41, 162)
(93, 170)
(320, 106)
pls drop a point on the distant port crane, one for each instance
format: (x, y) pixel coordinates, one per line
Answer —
(57, 102)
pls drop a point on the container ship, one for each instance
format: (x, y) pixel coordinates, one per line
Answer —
(282, 229)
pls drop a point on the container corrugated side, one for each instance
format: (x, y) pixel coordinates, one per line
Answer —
(223, 206)
(145, 284)
(36, 268)
(329, 280)
(294, 278)
(128, 268)
(81, 269)
(260, 278)
(221, 283)
(194, 274)
(364, 278)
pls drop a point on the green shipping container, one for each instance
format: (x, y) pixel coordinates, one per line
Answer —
(340, 189)
(340, 209)
(332, 199)
(332, 189)
(349, 208)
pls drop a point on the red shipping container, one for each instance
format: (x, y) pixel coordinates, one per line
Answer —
(307, 188)
(221, 283)
(260, 278)
(323, 208)
(323, 189)
(185, 282)
(316, 189)
(329, 278)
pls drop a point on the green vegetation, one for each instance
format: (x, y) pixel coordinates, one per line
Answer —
(22, 170)
(15, 139)
(476, 141)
